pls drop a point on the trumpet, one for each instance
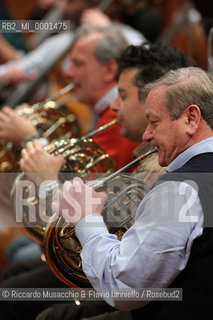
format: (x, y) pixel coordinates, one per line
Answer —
(61, 246)
(83, 156)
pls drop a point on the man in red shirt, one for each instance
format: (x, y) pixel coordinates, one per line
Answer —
(93, 70)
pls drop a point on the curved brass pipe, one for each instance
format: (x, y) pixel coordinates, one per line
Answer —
(83, 156)
(61, 246)
(62, 145)
(50, 127)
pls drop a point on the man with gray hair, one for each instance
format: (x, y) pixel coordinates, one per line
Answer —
(170, 244)
(52, 49)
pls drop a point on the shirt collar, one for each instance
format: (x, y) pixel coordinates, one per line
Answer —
(198, 148)
(106, 100)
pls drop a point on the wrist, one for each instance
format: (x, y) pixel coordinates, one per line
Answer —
(28, 139)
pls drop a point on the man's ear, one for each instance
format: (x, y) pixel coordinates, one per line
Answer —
(193, 118)
(110, 71)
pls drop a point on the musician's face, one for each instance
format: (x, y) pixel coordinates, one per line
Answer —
(85, 70)
(129, 110)
(169, 136)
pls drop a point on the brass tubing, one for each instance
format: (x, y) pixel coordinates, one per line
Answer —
(60, 93)
(101, 183)
(87, 136)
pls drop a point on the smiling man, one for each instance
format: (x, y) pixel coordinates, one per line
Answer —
(138, 65)
(170, 243)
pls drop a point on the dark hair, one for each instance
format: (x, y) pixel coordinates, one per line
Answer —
(152, 61)
(153, 54)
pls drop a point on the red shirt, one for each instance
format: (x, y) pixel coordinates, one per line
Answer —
(115, 145)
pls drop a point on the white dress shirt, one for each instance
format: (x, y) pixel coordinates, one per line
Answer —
(156, 248)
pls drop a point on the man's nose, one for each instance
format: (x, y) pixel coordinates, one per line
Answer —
(69, 72)
(147, 135)
(115, 105)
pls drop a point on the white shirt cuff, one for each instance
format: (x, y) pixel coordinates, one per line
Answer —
(89, 226)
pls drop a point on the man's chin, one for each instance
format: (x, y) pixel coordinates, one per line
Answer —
(124, 133)
(162, 162)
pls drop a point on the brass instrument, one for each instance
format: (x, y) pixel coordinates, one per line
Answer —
(83, 154)
(83, 157)
(61, 246)
(51, 123)
(52, 120)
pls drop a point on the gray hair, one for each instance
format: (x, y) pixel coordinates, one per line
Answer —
(109, 47)
(183, 87)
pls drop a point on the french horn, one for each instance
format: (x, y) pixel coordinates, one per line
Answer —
(52, 120)
(83, 157)
(60, 244)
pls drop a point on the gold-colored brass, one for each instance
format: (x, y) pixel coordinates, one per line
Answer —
(52, 120)
(60, 146)
(61, 246)
(83, 157)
